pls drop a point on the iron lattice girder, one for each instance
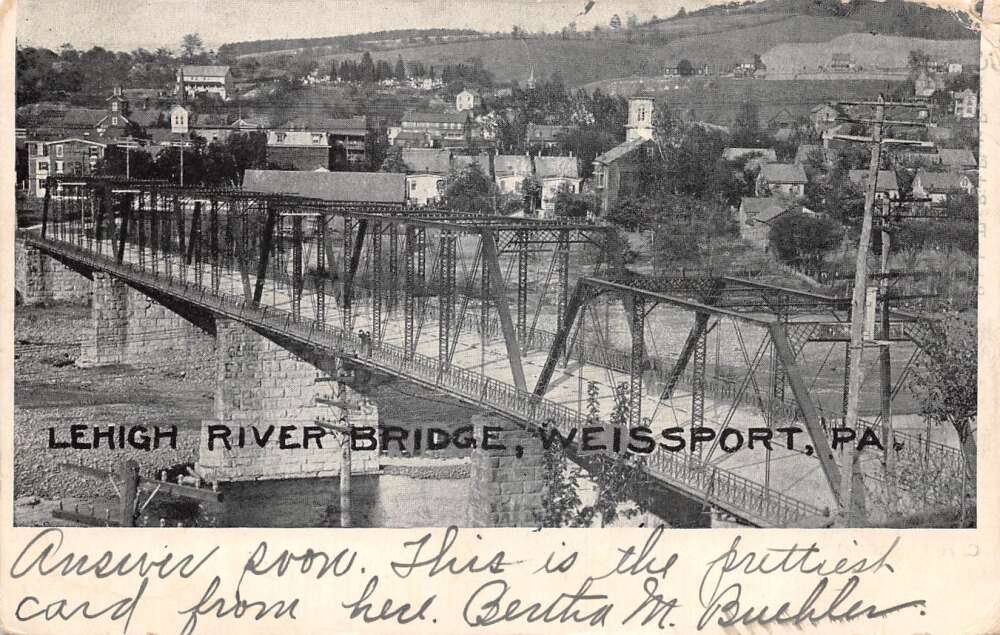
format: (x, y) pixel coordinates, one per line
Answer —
(541, 231)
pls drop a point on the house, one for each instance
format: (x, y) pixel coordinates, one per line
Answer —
(180, 119)
(350, 187)
(755, 157)
(299, 149)
(556, 173)
(115, 122)
(756, 215)
(886, 186)
(211, 80)
(211, 127)
(468, 99)
(250, 124)
(842, 63)
(954, 68)
(782, 119)
(957, 159)
(439, 125)
(747, 67)
(824, 117)
(349, 139)
(938, 186)
(426, 174)
(510, 171)
(70, 156)
(781, 178)
(966, 103)
(412, 139)
(547, 136)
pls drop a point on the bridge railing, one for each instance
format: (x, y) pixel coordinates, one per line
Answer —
(737, 494)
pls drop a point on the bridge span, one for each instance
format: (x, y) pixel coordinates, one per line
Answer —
(513, 316)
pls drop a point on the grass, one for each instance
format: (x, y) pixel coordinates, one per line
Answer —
(720, 41)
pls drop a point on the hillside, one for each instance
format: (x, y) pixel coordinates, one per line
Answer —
(720, 42)
(889, 17)
(867, 51)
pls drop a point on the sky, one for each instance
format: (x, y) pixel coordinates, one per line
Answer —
(129, 24)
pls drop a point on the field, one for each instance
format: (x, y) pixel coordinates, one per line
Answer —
(720, 42)
(717, 100)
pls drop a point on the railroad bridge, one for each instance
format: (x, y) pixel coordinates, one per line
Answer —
(513, 316)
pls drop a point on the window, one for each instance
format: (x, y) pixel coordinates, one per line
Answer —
(59, 150)
(114, 121)
(114, 106)
(280, 137)
(59, 167)
(317, 138)
(413, 186)
(43, 166)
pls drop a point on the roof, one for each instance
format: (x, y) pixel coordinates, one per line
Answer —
(764, 209)
(886, 179)
(824, 107)
(557, 167)
(470, 91)
(210, 121)
(296, 138)
(82, 117)
(939, 181)
(957, 157)
(734, 154)
(145, 118)
(783, 173)
(140, 93)
(413, 135)
(251, 123)
(427, 160)
(366, 187)
(75, 139)
(620, 150)
(436, 117)
(352, 124)
(460, 162)
(805, 150)
(547, 132)
(512, 164)
(326, 124)
(205, 71)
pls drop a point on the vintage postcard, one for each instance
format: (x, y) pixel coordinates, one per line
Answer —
(542, 316)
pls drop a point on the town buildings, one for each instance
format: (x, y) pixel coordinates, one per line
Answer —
(966, 104)
(468, 99)
(886, 186)
(299, 149)
(209, 80)
(556, 174)
(71, 156)
(615, 169)
(787, 179)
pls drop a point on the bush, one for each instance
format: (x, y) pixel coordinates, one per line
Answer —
(802, 239)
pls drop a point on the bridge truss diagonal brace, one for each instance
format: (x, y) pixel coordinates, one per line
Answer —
(266, 244)
(497, 296)
(576, 302)
(793, 373)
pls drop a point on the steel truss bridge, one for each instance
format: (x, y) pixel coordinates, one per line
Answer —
(476, 306)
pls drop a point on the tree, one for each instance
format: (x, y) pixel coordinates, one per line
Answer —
(619, 477)
(570, 205)
(684, 67)
(191, 44)
(393, 162)
(803, 239)
(945, 381)
(400, 69)
(469, 190)
(616, 22)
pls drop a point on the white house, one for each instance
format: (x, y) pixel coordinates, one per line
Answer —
(938, 186)
(781, 178)
(555, 173)
(213, 80)
(468, 99)
(179, 119)
(426, 171)
(510, 170)
(966, 103)
(886, 186)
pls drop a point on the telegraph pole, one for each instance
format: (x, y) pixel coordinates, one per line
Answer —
(852, 481)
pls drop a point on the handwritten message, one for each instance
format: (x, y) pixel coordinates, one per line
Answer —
(452, 576)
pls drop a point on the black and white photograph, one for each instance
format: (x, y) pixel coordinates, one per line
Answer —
(679, 264)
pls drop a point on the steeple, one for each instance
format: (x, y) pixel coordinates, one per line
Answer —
(640, 117)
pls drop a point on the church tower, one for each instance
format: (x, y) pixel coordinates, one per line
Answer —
(640, 118)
